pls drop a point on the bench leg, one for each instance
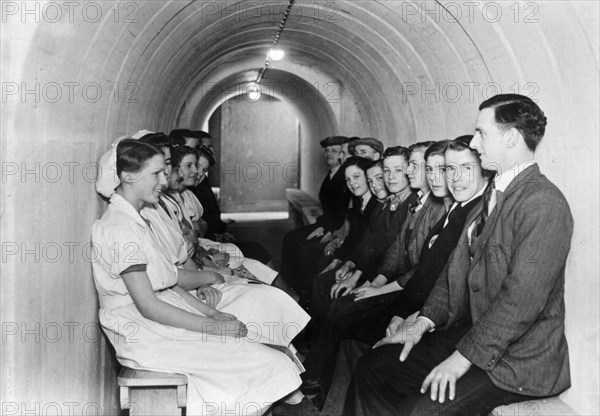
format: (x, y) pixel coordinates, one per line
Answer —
(154, 401)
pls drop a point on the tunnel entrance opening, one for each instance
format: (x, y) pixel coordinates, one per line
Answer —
(257, 144)
(264, 146)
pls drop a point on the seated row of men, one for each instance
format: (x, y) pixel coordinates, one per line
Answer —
(437, 269)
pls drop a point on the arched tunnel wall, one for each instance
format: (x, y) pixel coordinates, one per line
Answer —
(77, 75)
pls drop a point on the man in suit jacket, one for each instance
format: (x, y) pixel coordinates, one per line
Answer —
(498, 309)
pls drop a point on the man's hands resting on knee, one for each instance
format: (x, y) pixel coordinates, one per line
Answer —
(445, 375)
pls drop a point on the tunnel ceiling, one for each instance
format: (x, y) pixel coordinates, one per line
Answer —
(371, 49)
(398, 70)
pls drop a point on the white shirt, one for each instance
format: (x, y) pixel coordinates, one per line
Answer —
(505, 178)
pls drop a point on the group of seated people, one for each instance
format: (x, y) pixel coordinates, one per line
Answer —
(462, 238)
(174, 300)
(434, 279)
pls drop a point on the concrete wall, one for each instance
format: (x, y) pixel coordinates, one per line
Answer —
(405, 71)
(259, 154)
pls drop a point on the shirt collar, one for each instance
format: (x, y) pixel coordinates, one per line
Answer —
(477, 195)
(122, 205)
(503, 180)
(453, 206)
(400, 196)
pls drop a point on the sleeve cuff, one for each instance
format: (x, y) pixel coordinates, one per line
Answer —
(429, 321)
(134, 268)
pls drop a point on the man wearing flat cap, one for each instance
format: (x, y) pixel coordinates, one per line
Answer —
(334, 200)
(366, 147)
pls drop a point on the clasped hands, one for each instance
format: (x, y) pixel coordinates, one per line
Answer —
(445, 375)
(346, 278)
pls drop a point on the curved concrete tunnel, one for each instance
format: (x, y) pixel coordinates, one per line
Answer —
(77, 75)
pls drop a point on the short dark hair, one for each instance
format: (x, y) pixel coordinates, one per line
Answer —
(520, 112)
(158, 140)
(437, 148)
(378, 162)
(200, 134)
(204, 151)
(396, 151)
(178, 136)
(133, 154)
(359, 162)
(419, 146)
(462, 143)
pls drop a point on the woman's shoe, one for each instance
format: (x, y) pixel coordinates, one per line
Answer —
(304, 408)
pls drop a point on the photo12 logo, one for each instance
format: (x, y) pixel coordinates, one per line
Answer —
(470, 11)
(68, 11)
(69, 92)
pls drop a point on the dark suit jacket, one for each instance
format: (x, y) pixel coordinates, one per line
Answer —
(401, 258)
(334, 197)
(513, 289)
(433, 260)
(381, 233)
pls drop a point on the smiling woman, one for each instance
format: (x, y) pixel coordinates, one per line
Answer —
(141, 168)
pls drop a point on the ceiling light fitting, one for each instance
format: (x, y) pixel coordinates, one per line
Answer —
(278, 53)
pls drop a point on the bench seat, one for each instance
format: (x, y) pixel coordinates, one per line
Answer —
(303, 207)
(544, 407)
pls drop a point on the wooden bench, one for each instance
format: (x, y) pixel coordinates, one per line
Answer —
(303, 208)
(150, 393)
(544, 407)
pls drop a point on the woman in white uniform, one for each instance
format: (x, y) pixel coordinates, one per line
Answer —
(156, 325)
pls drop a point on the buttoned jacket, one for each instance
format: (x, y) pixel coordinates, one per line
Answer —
(513, 288)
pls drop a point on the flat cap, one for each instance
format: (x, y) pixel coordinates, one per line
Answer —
(369, 141)
(333, 141)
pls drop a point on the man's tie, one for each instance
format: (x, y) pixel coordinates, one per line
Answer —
(452, 213)
(488, 196)
(488, 205)
(395, 200)
(413, 207)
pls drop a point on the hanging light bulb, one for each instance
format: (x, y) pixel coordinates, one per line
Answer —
(276, 54)
(253, 91)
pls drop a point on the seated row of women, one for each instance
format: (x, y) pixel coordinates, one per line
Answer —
(173, 302)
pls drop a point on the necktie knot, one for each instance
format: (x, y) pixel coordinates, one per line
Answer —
(395, 200)
(413, 207)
